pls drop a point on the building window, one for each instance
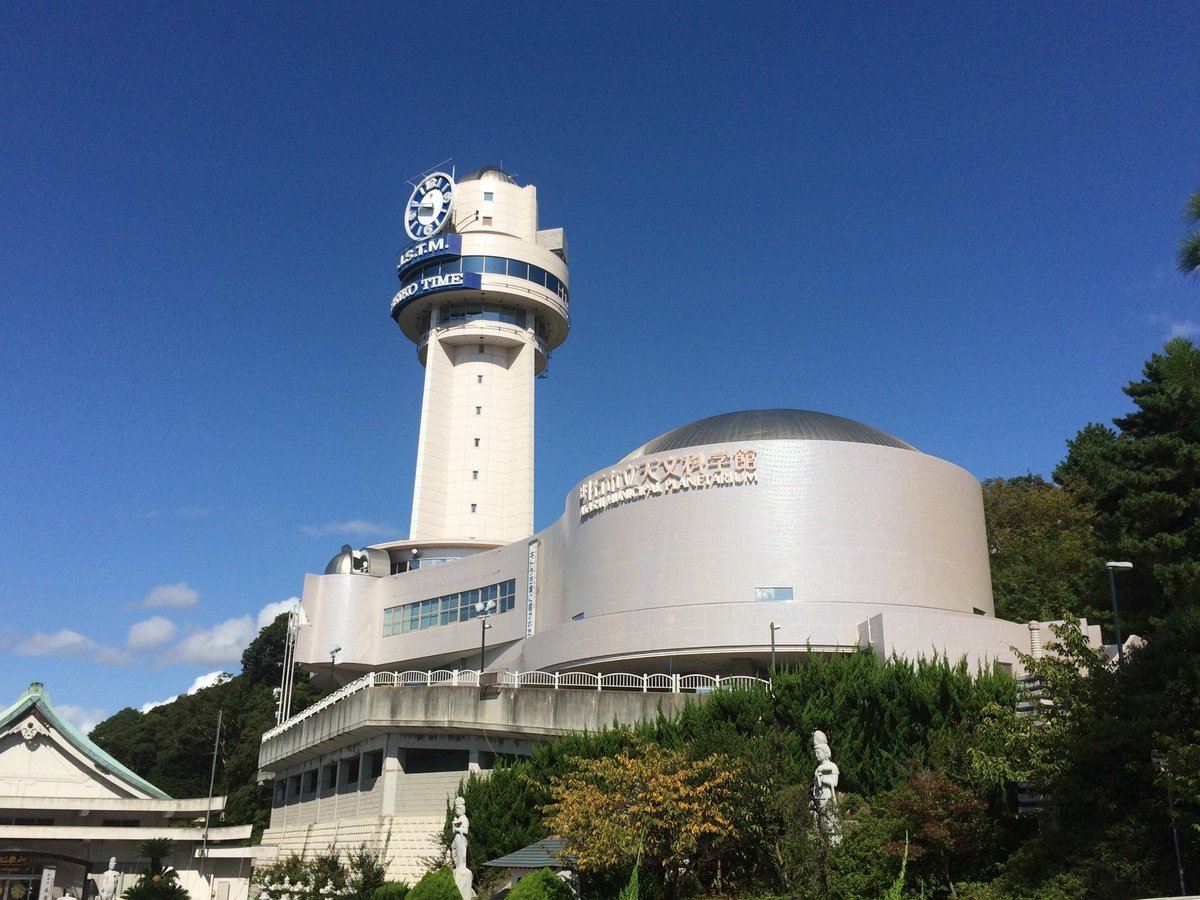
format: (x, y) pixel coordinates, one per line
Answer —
(374, 764)
(472, 507)
(331, 776)
(492, 265)
(773, 594)
(479, 410)
(474, 474)
(310, 781)
(479, 379)
(437, 611)
(350, 767)
(487, 220)
(476, 442)
(489, 195)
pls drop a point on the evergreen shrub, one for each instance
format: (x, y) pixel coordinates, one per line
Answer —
(437, 885)
(543, 885)
(391, 890)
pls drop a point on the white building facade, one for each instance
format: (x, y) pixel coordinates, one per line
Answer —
(709, 551)
(67, 808)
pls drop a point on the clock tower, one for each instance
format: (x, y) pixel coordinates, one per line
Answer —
(484, 296)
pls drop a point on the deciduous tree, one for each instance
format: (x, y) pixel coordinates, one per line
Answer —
(650, 800)
(1042, 548)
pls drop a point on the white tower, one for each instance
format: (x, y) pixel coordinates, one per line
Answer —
(483, 295)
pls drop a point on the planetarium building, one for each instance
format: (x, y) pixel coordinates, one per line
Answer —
(697, 552)
(683, 555)
(706, 553)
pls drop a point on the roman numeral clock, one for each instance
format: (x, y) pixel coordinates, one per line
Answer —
(429, 206)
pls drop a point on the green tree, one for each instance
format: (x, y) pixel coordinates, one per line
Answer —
(652, 802)
(158, 882)
(1188, 256)
(436, 885)
(1092, 751)
(946, 829)
(1043, 550)
(172, 745)
(1144, 483)
(540, 885)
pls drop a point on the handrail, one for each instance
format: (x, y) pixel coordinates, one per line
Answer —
(613, 681)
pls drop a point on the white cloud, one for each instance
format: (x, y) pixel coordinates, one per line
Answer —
(1184, 329)
(356, 527)
(1175, 327)
(175, 596)
(271, 611)
(201, 682)
(65, 642)
(223, 643)
(150, 633)
(83, 719)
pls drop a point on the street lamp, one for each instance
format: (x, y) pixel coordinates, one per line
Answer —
(774, 628)
(483, 612)
(1113, 567)
(333, 652)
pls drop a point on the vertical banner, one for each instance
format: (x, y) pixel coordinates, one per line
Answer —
(46, 892)
(531, 596)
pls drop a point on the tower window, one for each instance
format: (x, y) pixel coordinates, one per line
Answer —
(476, 442)
(479, 379)
(472, 507)
(487, 220)
(489, 195)
(479, 410)
(474, 474)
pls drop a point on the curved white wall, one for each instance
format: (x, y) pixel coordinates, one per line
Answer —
(853, 530)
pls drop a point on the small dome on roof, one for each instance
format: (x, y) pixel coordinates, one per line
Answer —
(768, 425)
(488, 173)
(343, 563)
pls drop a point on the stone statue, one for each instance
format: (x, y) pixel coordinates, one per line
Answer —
(824, 790)
(112, 881)
(460, 825)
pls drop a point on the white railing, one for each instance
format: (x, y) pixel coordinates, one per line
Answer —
(615, 681)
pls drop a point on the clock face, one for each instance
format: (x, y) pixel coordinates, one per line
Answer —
(429, 206)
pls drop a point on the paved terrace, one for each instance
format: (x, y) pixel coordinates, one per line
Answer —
(515, 705)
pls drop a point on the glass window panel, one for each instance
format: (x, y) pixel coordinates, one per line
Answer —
(551, 283)
(452, 265)
(472, 264)
(495, 264)
(772, 594)
(488, 195)
(518, 269)
(537, 275)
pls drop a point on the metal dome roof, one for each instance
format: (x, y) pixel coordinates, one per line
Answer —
(488, 173)
(768, 425)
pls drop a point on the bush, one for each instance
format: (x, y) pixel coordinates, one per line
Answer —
(543, 885)
(157, 887)
(437, 885)
(391, 890)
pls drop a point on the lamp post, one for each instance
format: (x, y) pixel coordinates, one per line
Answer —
(333, 652)
(1114, 567)
(483, 612)
(774, 628)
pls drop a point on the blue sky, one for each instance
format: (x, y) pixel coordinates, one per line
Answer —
(953, 222)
